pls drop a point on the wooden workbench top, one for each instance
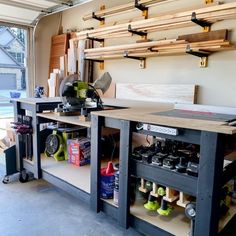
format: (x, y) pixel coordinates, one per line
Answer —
(34, 101)
(74, 120)
(139, 112)
(145, 115)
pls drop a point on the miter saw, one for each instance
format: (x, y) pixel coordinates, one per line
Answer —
(79, 97)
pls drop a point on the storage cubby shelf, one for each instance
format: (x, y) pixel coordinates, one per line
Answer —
(163, 176)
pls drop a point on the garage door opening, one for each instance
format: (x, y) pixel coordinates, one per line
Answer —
(13, 81)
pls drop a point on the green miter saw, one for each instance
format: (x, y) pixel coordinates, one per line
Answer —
(56, 146)
(82, 97)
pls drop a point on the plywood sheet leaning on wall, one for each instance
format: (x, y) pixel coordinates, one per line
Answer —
(59, 46)
(168, 93)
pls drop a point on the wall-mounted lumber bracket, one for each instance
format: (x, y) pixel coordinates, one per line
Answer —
(140, 6)
(95, 39)
(209, 1)
(152, 50)
(94, 16)
(203, 56)
(94, 60)
(101, 62)
(142, 60)
(140, 33)
(204, 24)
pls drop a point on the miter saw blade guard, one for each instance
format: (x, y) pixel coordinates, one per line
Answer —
(79, 96)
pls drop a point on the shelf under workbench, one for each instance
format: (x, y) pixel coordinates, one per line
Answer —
(74, 175)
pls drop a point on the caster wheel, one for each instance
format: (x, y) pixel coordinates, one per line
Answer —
(6, 180)
(24, 178)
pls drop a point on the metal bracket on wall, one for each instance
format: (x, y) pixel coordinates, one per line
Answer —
(152, 50)
(101, 19)
(142, 8)
(140, 33)
(203, 56)
(204, 24)
(142, 60)
(209, 1)
(101, 62)
(95, 39)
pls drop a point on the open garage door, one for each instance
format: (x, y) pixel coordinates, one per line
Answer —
(28, 12)
(7, 81)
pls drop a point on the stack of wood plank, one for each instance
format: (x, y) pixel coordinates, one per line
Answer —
(204, 42)
(208, 14)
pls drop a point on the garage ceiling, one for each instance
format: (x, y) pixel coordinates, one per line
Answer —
(28, 12)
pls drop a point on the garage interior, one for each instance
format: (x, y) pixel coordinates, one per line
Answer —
(127, 126)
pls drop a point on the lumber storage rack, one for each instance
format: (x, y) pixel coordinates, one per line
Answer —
(200, 45)
(204, 16)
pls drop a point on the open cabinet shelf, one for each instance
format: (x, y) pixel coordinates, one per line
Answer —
(74, 175)
(169, 223)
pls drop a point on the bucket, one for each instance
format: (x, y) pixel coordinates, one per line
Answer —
(107, 181)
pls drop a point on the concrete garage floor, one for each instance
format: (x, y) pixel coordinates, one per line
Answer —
(37, 208)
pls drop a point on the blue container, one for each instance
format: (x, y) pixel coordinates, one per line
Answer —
(15, 94)
(107, 182)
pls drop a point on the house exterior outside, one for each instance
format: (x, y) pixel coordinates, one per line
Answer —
(12, 54)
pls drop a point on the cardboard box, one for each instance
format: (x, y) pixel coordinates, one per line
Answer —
(79, 151)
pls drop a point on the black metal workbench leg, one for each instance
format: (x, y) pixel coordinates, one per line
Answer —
(96, 128)
(209, 184)
(19, 150)
(124, 174)
(36, 145)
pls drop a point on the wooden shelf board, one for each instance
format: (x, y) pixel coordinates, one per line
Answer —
(29, 161)
(74, 175)
(79, 176)
(110, 201)
(224, 220)
(35, 101)
(169, 223)
(147, 116)
(74, 120)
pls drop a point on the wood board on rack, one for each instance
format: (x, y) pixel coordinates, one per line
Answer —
(209, 14)
(59, 46)
(205, 43)
(171, 93)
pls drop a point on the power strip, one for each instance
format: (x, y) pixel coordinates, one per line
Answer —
(160, 129)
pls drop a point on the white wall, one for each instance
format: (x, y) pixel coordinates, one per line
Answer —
(217, 82)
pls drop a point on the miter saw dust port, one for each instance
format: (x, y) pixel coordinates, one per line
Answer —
(79, 97)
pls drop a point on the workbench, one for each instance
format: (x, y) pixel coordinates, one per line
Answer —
(206, 187)
(84, 182)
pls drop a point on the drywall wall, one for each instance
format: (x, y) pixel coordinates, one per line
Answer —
(217, 82)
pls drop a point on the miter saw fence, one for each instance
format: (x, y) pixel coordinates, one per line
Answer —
(81, 97)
